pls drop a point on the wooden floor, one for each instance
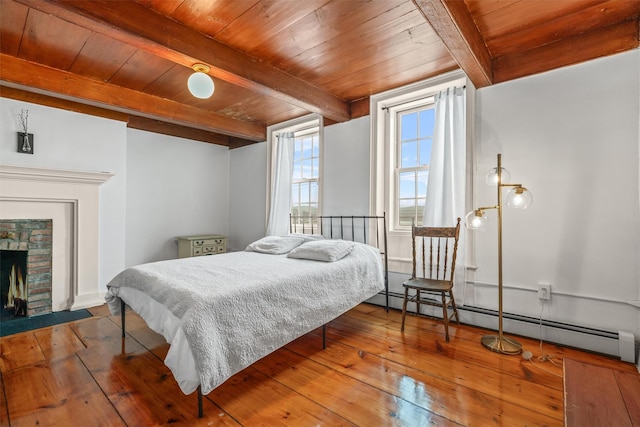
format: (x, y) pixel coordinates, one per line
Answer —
(82, 374)
(600, 396)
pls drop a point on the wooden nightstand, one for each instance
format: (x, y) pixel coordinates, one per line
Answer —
(205, 244)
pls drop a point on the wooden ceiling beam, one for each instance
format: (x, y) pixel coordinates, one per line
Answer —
(134, 122)
(157, 126)
(138, 26)
(603, 41)
(360, 107)
(26, 74)
(455, 26)
(63, 104)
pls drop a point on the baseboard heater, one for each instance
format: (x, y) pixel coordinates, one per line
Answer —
(548, 323)
(614, 343)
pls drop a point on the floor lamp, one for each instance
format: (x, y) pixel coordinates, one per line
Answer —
(517, 197)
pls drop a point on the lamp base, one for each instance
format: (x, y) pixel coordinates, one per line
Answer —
(501, 345)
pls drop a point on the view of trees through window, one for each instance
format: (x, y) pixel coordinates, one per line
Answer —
(414, 140)
(304, 182)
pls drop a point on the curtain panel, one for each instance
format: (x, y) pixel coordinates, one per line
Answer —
(278, 221)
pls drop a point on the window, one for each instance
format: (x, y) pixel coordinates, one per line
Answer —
(402, 145)
(306, 169)
(413, 143)
(295, 193)
(403, 123)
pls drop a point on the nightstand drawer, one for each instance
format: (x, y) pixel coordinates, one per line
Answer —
(209, 250)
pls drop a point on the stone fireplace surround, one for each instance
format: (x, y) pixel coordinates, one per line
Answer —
(71, 199)
(32, 237)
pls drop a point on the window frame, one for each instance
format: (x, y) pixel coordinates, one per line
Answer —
(294, 125)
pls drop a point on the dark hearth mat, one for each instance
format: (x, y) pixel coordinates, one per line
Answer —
(23, 324)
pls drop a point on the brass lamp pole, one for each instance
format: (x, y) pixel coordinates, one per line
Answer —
(518, 197)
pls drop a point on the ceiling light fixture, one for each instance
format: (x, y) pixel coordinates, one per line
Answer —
(200, 84)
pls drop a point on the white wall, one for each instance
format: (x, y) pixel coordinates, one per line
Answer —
(248, 195)
(346, 168)
(571, 136)
(68, 140)
(175, 187)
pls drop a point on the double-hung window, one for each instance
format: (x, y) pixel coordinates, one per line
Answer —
(305, 199)
(414, 137)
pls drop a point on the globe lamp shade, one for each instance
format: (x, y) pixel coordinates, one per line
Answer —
(492, 176)
(519, 197)
(476, 220)
(200, 85)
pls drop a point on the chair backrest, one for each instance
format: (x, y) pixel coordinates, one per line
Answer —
(435, 250)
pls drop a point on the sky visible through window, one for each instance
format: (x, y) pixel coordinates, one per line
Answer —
(306, 164)
(414, 141)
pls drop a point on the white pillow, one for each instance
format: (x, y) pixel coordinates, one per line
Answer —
(323, 250)
(275, 245)
(308, 237)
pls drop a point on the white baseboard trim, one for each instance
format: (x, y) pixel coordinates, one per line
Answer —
(88, 300)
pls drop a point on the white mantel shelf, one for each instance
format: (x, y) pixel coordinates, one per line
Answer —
(27, 173)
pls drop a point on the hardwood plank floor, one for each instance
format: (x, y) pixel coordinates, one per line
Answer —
(600, 396)
(370, 374)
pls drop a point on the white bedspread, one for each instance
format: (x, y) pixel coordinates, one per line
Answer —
(229, 310)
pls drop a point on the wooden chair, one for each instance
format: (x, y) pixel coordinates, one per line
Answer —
(434, 287)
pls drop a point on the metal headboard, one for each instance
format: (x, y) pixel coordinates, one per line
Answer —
(368, 229)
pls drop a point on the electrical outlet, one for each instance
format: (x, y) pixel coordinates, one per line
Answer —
(544, 291)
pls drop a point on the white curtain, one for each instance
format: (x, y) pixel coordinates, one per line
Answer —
(446, 184)
(280, 205)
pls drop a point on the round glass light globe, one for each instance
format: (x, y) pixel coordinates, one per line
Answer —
(518, 197)
(476, 220)
(492, 176)
(200, 85)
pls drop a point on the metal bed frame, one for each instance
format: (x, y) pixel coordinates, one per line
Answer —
(353, 228)
(343, 227)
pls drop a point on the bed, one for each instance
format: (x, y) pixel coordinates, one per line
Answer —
(222, 313)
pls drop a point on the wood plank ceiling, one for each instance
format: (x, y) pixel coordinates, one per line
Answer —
(273, 60)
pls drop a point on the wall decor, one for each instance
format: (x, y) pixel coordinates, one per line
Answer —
(25, 143)
(25, 139)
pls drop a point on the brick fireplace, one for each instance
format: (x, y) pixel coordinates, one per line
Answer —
(25, 266)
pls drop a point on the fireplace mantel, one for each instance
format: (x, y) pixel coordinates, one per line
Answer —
(44, 188)
(25, 173)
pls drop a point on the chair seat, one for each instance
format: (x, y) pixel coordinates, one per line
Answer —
(428, 284)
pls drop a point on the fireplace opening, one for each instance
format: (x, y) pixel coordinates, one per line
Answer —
(25, 268)
(13, 284)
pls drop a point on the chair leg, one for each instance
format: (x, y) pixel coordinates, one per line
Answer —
(418, 299)
(453, 304)
(404, 307)
(445, 315)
